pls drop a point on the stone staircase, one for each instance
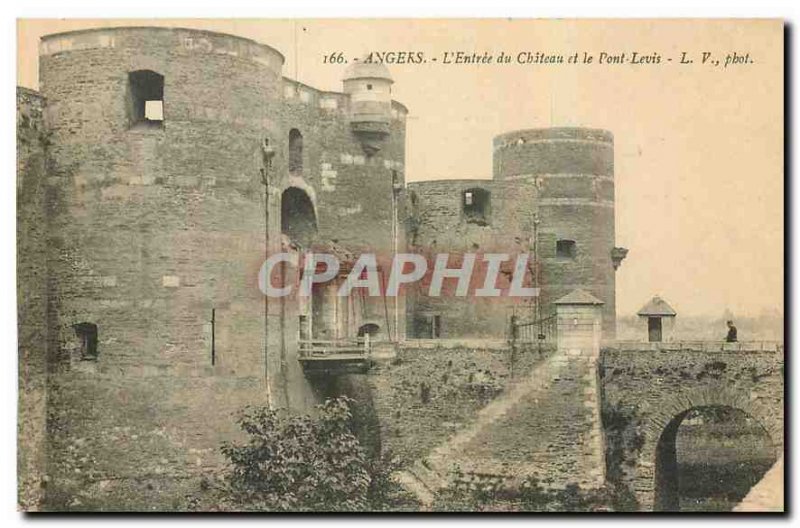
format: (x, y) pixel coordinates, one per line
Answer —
(432, 473)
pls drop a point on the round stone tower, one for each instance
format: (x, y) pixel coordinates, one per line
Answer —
(573, 171)
(369, 86)
(157, 141)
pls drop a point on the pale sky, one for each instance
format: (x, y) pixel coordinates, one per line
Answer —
(699, 148)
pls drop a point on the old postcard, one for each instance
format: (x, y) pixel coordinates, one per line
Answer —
(400, 265)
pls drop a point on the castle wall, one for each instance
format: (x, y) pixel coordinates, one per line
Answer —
(151, 230)
(352, 194)
(32, 312)
(424, 396)
(563, 177)
(156, 228)
(353, 191)
(546, 426)
(439, 225)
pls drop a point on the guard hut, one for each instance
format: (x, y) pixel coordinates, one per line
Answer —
(659, 318)
(579, 321)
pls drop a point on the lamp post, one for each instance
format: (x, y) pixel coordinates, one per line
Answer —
(267, 154)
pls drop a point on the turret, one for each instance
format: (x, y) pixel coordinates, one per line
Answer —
(369, 86)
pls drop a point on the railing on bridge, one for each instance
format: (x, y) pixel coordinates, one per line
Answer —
(542, 330)
(699, 346)
(339, 355)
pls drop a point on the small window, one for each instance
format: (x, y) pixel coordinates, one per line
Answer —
(475, 205)
(295, 151)
(87, 334)
(369, 87)
(566, 249)
(146, 97)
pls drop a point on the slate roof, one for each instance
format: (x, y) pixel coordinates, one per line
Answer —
(579, 297)
(657, 306)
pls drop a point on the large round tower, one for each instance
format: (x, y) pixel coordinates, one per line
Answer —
(573, 170)
(156, 151)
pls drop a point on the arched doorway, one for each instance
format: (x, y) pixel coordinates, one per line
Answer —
(708, 457)
(298, 220)
(370, 329)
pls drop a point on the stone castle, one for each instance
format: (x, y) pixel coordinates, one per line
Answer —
(157, 169)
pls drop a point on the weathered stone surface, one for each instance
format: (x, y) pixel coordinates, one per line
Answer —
(658, 387)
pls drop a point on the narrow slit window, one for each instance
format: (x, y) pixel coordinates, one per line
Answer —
(295, 151)
(436, 326)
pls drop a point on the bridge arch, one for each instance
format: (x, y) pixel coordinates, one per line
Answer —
(657, 477)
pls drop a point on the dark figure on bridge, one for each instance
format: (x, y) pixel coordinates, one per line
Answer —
(731, 337)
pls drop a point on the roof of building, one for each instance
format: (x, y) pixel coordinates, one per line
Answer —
(579, 297)
(367, 70)
(657, 306)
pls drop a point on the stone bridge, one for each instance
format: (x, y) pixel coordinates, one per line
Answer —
(590, 414)
(649, 388)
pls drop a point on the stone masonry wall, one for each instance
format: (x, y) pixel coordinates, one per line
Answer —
(548, 427)
(439, 225)
(31, 296)
(645, 391)
(573, 171)
(150, 226)
(564, 177)
(424, 396)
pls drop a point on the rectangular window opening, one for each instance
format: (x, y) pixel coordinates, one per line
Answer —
(146, 98)
(87, 336)
(566, 249)
(476, 206)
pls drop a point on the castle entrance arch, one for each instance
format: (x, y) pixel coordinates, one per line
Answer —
(298, 219)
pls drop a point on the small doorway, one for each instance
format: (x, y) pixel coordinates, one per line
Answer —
(654, 329)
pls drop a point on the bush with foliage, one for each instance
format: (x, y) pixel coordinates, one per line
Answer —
(301, 463)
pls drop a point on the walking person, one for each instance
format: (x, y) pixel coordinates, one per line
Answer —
(731, 337)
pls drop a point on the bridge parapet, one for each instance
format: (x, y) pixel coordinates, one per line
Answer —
(773, 347)
(649, 388)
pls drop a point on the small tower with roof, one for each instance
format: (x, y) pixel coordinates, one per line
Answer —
(657, 320)
(369, 86)
(579, 318)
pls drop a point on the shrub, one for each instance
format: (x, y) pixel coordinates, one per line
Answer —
(296, 463)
